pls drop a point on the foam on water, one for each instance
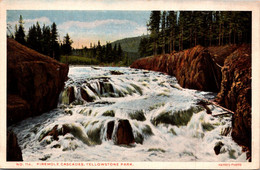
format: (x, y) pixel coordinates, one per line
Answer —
(167, 123)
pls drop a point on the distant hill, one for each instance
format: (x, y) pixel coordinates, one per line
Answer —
(129, 44)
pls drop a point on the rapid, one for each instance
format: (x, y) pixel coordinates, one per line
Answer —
(124, 114)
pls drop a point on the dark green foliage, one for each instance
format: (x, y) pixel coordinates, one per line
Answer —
(129, 44)
(154, 27)
(54, 47)
(31, 39)
(77, 60)
(19, 32)
(102, 54)
(66, 46)
(180, 30)
(44, 40)
(46, 36)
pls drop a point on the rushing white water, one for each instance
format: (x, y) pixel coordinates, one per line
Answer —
(166, 122)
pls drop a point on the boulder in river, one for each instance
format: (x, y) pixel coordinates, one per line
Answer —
(34, 82)
(124, 133)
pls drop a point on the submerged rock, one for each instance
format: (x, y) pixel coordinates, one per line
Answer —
(57, 131)
(86, 96)
(14, 152)
(178, 118)
(110, 113)
(218, 147)
(137, 115)
(35, 79)
(115, 72)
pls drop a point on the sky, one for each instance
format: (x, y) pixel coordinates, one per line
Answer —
(85, 27)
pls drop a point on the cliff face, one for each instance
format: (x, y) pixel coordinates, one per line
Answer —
(235, 93)
(34, 82)
(193, 68)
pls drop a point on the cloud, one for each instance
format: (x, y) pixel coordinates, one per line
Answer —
(29, 22)
(42, 20)
(94, 24)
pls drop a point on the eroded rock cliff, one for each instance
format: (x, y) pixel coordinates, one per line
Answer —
(235, 93)
(34, 82)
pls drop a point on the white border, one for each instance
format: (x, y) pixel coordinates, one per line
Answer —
(137, 5)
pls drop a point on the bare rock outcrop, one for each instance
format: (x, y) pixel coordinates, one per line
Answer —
(34, 82)
(235, 93)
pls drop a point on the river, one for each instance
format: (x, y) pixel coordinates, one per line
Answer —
(166, 121)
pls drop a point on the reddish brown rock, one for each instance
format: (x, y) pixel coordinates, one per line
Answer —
(235, 93)
(55, 132)
(14, 152)
(193, 68)
(124, 133)
(16, 108)
(35, 79)
(220, 53)
(86, 96)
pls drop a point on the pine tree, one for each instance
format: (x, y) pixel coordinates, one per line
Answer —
(153, 27)
(39, 38)
(99, 52)
(19, 32)
(54, 48)
(31, 37)
(172, 22)
(163, 32)
(66, 46)
(114, 53)
(120, 53)
(46, 33)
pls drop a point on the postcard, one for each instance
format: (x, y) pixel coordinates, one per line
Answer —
(129, 84)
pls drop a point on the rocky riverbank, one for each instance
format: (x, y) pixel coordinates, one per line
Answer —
(34, 82)
(225, 69)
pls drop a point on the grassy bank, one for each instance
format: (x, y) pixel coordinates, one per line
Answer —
(77, 60)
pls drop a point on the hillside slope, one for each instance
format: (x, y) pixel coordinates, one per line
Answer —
(129, 44)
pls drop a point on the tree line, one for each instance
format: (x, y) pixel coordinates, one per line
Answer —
(42, 39)
(103, 53)
(177, 30)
